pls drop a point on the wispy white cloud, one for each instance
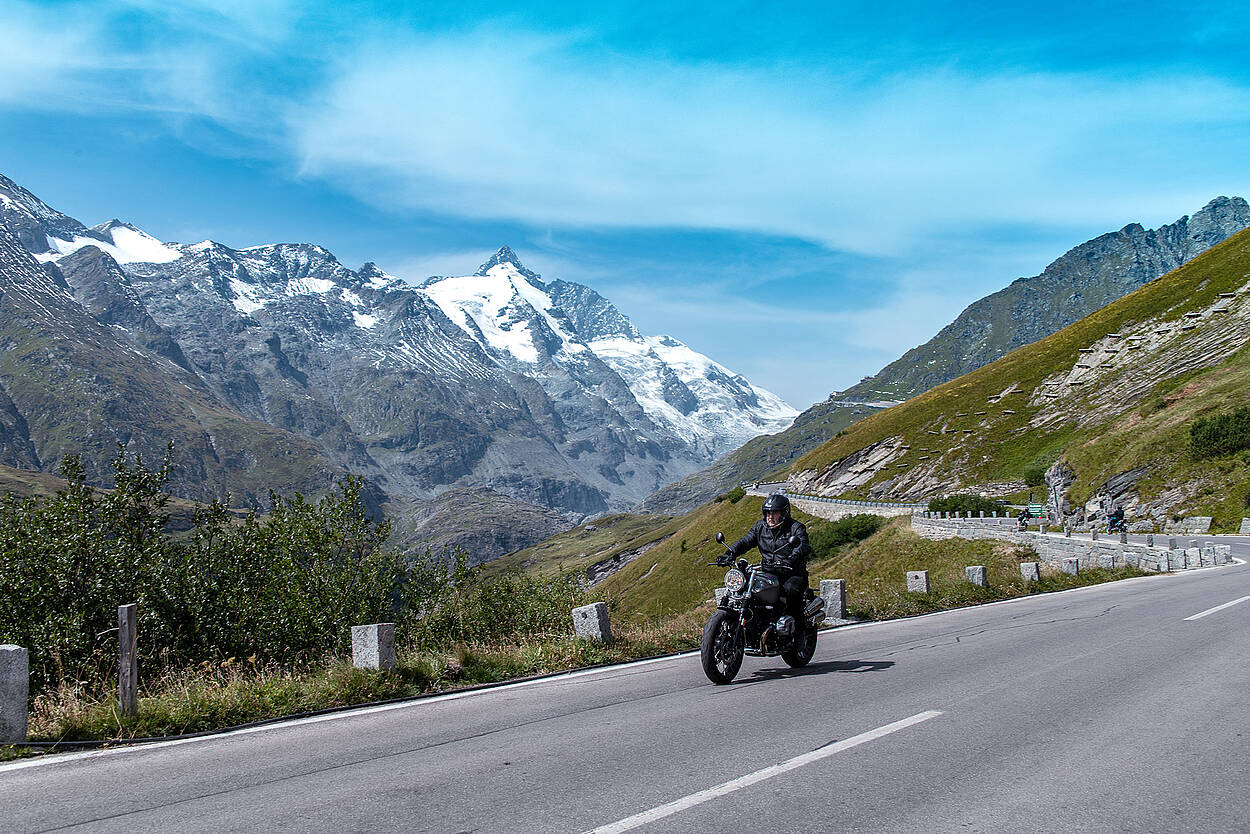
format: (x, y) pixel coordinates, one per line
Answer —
(525, 127)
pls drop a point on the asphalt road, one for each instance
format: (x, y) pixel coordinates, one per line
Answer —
(1108, 708)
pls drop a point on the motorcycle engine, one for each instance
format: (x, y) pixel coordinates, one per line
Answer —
(785, 626)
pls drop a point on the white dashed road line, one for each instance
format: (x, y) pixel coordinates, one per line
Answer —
(670, 808)
(1202, 614)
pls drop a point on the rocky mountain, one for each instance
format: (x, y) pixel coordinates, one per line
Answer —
(1085, 279)
(1101, 411)
(540, 393)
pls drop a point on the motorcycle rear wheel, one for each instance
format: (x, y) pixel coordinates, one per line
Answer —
(804, 647)
(721, 651)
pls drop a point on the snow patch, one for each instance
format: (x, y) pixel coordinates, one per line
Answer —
(129, 246)
(363, 320)
(247, 298)
(479, 305)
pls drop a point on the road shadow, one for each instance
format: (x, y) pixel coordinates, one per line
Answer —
(822, 668)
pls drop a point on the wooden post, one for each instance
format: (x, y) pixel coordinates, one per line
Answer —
(128, 670)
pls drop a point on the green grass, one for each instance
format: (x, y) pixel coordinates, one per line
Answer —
(1151, 430)
(588, 543)
(876, 573)
(216, 696)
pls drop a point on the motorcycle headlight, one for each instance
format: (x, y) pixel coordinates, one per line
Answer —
(734, 580)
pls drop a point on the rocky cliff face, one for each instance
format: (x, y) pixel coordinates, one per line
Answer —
(541, 394)
(1087, 278)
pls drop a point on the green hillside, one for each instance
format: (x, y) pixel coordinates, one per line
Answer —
(1115, 392)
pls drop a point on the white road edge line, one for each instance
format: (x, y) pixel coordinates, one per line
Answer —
(670, 808)
(1202, 614)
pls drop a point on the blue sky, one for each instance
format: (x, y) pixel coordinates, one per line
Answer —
(801, 191)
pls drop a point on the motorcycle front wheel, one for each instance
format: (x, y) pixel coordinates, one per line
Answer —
(721, 651)
(804, 647)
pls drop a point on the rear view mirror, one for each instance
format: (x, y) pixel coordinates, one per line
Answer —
(720, 537)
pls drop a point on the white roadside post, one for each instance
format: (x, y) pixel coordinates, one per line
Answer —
(14, 692)
(373, 646)
(1030, 571)
(591, 622)
(833, 592)
(976, 575)
(918, 581)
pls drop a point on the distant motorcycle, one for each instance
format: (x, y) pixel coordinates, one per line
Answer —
(750, 619)
(1116, 525)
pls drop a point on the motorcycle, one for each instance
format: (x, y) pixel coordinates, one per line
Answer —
(750, 619)
(1116, 525)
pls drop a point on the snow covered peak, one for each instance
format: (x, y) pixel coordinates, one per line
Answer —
(506, 311)
(504, 256)
(561, 330)
(124, 242)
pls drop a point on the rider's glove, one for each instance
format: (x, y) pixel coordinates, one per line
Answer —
(724, 560)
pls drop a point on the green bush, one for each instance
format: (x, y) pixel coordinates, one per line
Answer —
(826, 538)
(966, 504)
(1222, 434)
(1034, 474)
(281, 588)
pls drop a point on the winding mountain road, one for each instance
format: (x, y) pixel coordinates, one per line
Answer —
(1119, 707)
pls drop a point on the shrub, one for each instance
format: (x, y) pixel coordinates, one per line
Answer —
(1034, 474)
(1221, 434)
(281, 589)
(826, 538)
(736, 494)
(966, 503)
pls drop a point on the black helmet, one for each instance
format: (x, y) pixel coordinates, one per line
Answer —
(777, 502)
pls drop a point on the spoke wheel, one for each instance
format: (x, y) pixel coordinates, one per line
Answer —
(721, 651)
(804, 648)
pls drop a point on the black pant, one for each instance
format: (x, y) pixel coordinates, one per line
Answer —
(792, 588)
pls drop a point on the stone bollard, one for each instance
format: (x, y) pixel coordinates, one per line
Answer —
(1193, 557)
(982, 513)
(1072, 566)
(1150, 540)
(1067, 532)
(994, 514)
(1041, 528)
(1123, 537)
(833, 592)
(373, 646)
(14, 692)
(1173, 543)
(1245, 527)
(1030, 571)
(1107, 562)
(1194, 543)
(918, 581)
(976, 575)
(591, 622)
(1093, 534)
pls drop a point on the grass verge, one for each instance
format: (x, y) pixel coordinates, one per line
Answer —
(210, 697)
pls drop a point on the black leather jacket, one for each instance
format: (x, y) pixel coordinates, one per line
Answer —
(776, 554)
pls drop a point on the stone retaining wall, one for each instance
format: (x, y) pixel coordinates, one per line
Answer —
(835, 511)
(1054, 548)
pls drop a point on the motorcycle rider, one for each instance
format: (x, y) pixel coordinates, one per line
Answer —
(772, 534)
(1115, 521)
